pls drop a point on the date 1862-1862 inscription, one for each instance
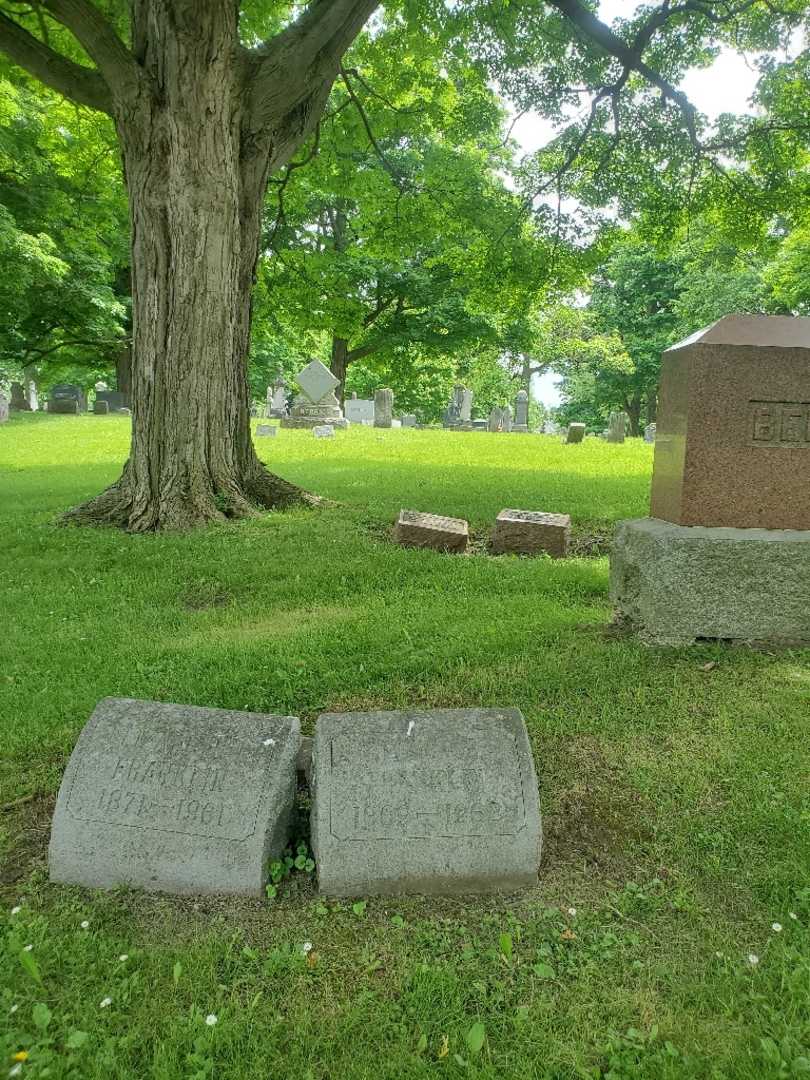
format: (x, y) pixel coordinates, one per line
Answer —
(780, 423)
(433, 790)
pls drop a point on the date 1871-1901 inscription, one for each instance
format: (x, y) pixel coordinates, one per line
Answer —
(780, 423)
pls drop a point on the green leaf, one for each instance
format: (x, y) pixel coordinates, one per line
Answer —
(544, 971)
(475, 1038)
(398, 921)
(505, 945)
(30, 965)
(177, 971)
(76, 1040)
(300, 862)
(41, 1015)
(359, 907)
(272, 892)
(421, 1045)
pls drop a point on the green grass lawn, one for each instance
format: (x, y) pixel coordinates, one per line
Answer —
(674, 782)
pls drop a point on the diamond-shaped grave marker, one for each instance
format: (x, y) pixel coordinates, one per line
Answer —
(316, 381)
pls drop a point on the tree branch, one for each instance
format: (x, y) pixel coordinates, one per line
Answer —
(102, 44)
(83, 85)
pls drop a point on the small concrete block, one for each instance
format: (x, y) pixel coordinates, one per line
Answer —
(266, 430)
(439, 801)
(174, 798)
(530, 532)
(674, 584)
(414, 529)
(575, 433)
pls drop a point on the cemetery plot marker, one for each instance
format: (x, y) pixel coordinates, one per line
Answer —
(437, 801)
(415, 529)
(174, 798)
(530, 532)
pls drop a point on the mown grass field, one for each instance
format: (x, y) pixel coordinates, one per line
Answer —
(669, 933)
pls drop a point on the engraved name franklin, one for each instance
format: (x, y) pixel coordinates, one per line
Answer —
(414, 791)
(780, 423)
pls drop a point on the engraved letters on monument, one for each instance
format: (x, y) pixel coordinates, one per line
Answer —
(437, 801)
(175, 798)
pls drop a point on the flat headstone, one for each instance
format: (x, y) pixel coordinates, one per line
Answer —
(436, 801)
(617, 424)
(649, 433)
(265, 430)
(324, 431)
(415, 529)
(575, 433)
(480, 425)
(175, 798)
(101, 407)
(530, 532)
(408, 420)
(4, 407)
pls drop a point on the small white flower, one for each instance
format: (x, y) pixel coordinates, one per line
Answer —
(719, 955)
(124, 957)
(16, 910)
(776, 927)
(211, 1019)
(13, 1009)
(793, 915)
(306, 947)
(269, 742)
(572, 911)
(28, 948)
(85, 925)
(753, 959)
(105, 1003)
(15, 1070)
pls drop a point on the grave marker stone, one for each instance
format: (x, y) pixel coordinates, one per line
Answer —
(575, 433)
(436, 801)
(174, 798)
(383, 408)
(506, 422)
(521, 423)
(409, 420)
(495, 419)
(617, 422)
(277, 400)
(324, 431)
(359, 411)
(415, 529)
(265, 430)
(529, 532)
(649, 433)
(101, 407)
(316, 404)
(4, 408)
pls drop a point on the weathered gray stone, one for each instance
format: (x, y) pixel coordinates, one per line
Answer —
(575, 433)
(649, 433)
(324, 431)
(277, 400)
(316, 404)
(174, 798)
(264, 431)
(531, 532)
(437, 801)
(415, 529)
(408, 420)
(480, 425)
(359, 411)
(496, 419)
(101, 407)
(677, 583)
(506, 421)
(4, 408)
(452, 414)
(383, 408)
(617, 424)
(521, 423)
(465, 416)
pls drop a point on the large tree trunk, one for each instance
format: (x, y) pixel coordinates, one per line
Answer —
(632, 406)
(195, 195)
(340, 363)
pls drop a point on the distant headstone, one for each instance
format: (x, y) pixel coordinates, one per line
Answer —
(383, 408)
(124, 412)
(480, 425)
(452, 416)
(415, 529)
(521, 423)
(101, 407)
(465, 412)
(408, 420)
(649, 433)
(316, 404)
(66, 398)
(575, 433)
(438, 801)
(174, 798)
(617, 424)
(550, 428)
(4, 408)
(114, 398)
(19, 402)
(496, 419)
(359, 411)
(323, 431)
(266, 430)
(530, 532)
(506, 421)
(277, 400)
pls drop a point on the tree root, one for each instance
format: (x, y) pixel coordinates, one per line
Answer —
(119, 506)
